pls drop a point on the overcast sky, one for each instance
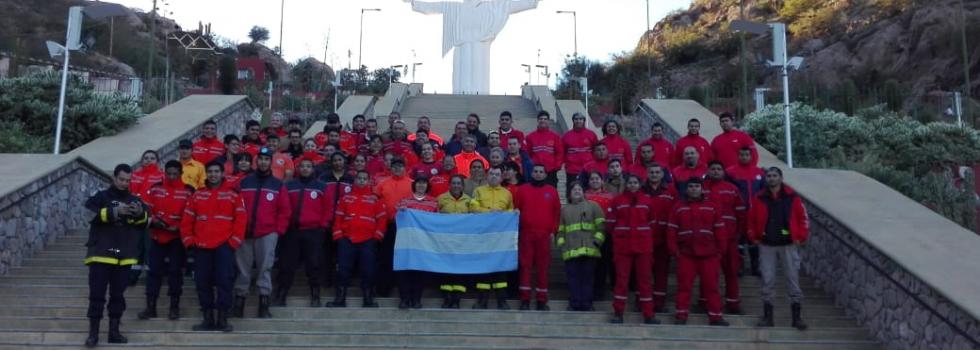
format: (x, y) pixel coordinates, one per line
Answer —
(604, 28)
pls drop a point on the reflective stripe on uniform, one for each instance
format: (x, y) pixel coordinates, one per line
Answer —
(581, 251)
(108, 260)
(104, 214)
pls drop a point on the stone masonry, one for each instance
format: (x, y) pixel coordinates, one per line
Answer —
(37, 214)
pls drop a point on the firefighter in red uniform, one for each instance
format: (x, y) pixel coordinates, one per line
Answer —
(692, 139)
(208, 147)
(618, 147)
(214, 225)
(726, 145)
(412, 282)
(507, 131)
(662, 148)
(750, 180)
(303, 241)
(359, 226)
(691, 169)
(694, 237)
(545, 148)
(629, 219)
(542, 210)
(664, 197)
(166, 201)
(724, 193)
(577, 144)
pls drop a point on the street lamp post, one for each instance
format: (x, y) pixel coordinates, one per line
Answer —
(780, 59)
(574, 27)
(545, 74)
(72, 42)
(360, 45)
(414, 65)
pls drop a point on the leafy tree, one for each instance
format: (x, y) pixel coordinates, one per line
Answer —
(380, 79)
(258, 34)
(312, 76)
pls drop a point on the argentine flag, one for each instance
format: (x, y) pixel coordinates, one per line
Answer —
(456, 243)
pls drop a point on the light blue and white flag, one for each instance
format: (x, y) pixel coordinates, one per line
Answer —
(456, 243)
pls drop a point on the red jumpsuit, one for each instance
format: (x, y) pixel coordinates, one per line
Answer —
(540, 212)
(144, 178)
(694, 235)
(663, 151)
(705, 154)
(577, 145)
(629, 221)
(207, 149)
(545, 148)
(664, 197)
(619, 148)
(726, 145)
(733, 214)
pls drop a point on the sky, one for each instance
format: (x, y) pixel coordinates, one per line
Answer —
(397, 35)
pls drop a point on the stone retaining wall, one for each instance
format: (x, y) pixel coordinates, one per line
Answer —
(48, 208)
(901, 311)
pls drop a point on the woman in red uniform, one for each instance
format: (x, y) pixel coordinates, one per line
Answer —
(604, 269)
(411, 282)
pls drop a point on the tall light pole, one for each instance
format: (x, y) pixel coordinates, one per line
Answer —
(282, 17)
(546, 74)
(574, 27)
(72, 42)
(360, 45)
(781, 60)
(414, 65)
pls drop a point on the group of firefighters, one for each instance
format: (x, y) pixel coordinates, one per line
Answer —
(240, 206)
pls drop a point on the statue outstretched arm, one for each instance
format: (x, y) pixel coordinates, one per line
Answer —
(429, 8)
(522, 5)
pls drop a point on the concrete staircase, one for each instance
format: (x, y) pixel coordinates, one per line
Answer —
(46, 304)
(445, 110)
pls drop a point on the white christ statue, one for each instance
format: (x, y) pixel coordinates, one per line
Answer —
(470, 26)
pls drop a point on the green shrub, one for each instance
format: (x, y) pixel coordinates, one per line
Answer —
(29, 107)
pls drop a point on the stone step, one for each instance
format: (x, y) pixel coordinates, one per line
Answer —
(555, 281)
(428, 339)
(354, 311)
(490, 326)
(188, 289)
(136, 301)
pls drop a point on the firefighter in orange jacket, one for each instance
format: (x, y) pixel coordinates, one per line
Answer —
(694, 236)
(629, 222)
(214, 224)
(726, 195)
(359, 226)
(166, 201)
(542, 210)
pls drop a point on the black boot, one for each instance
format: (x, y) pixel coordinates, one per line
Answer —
(766, 320)
(482, 298)
(314, 296)
(207, 324)
(150, 311)
(114, 336)
(264, 307)
(404, 304)
(93, 332)
(502, 299)
(221, 323)
(174, 313)
(339, 298)
(238, 309)
(456, 297)
(279, 296)
(525, 305)
(797, 318)
(447, 300)
(542, 306)
(369, 299)
(617, 318)
(720, 322)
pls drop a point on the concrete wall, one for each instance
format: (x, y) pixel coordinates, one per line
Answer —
(162, 130)
(900, 269)
(42, 196)
(41, 199)
(354, 105)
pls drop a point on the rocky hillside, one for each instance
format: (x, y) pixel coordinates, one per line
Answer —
(915, 43)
